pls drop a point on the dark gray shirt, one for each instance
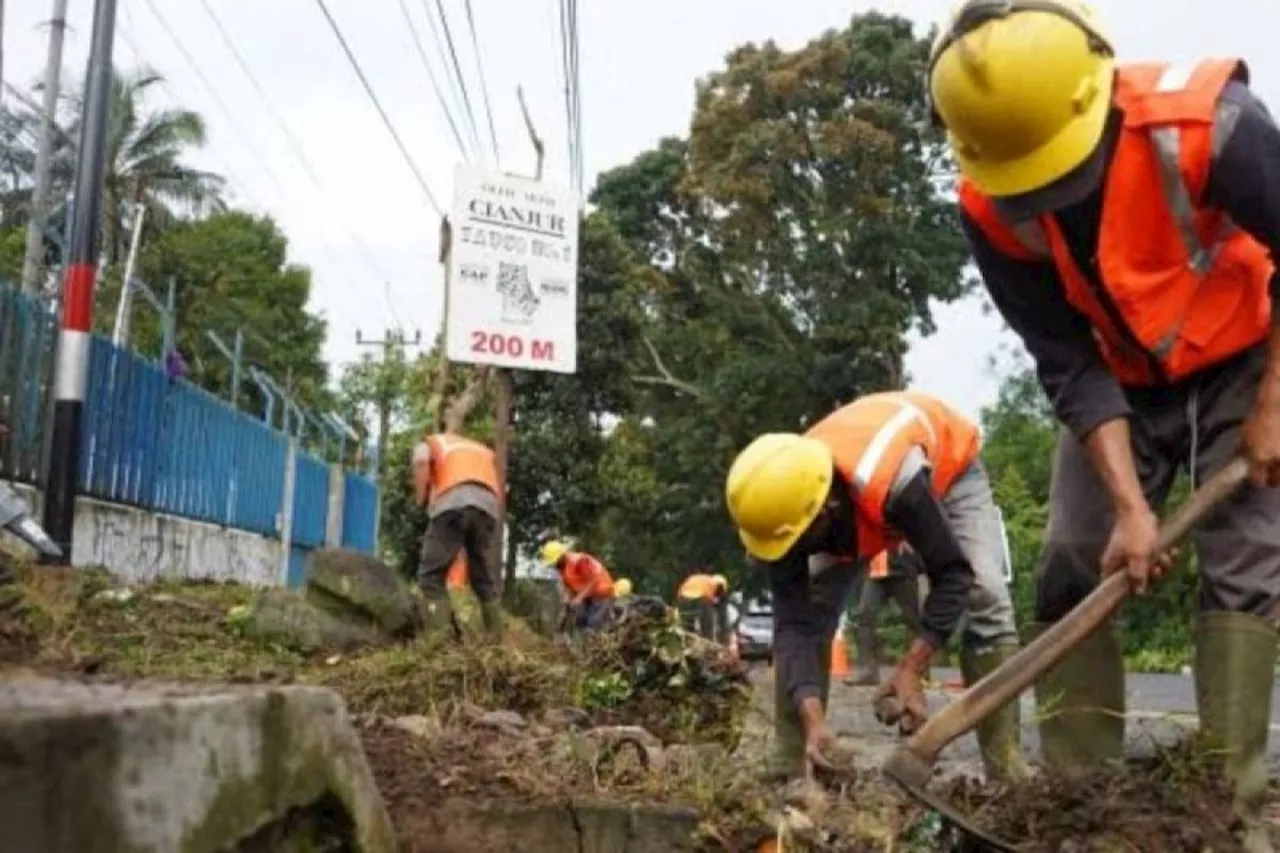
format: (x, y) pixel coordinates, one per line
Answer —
(1244, 183)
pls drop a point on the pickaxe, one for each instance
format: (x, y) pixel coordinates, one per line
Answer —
(911, 763)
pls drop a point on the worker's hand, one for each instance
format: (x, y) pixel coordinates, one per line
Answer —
(1260, 439)
(1132, 549)
(820, 748)
(901, 699)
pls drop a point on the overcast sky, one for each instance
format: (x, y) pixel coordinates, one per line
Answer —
(367, 228)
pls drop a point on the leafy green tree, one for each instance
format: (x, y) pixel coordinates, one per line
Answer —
(144, 159)
(793, 240)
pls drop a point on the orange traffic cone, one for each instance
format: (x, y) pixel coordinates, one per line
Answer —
(457, 577)
(839, 655)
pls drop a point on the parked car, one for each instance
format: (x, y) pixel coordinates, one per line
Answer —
(755, 635)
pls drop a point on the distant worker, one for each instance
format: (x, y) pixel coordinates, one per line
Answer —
(886, 467)
(891, 574)
(1125, 219)
(589, 590)
(457, 480)
(703, 601)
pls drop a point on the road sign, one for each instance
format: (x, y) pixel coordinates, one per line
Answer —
(513, 273)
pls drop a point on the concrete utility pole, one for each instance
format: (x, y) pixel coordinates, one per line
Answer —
(71, 371)
(503, 405)
(385, 394)
(44, 148)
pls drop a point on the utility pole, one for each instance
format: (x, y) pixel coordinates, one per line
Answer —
(71, 371)
(44, 148)
(120, 334)
(506, 393)
(385, 393)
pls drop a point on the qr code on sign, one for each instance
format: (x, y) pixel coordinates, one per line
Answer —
(519, 302)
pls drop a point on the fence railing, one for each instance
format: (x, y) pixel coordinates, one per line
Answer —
(165, 445)
(28, 327)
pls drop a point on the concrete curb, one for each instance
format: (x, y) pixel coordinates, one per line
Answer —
(169, 769)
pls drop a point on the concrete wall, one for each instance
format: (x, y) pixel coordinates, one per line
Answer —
(143, 546)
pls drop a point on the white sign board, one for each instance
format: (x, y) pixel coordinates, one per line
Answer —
(513, 273)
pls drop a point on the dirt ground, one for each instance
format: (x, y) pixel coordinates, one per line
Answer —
(421, 709)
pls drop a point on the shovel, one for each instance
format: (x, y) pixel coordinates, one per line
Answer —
(911, 763)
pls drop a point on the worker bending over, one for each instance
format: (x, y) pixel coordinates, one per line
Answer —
(1126, 220)
(886, 467)
(589, 590)
(704, 601)
(457, 480)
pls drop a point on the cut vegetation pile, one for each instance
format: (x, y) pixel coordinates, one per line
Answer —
(1174, 800)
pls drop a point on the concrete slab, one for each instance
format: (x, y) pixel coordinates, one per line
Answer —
(174, 769)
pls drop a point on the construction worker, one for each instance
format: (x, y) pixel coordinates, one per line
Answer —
(1126, 220)
(893, 576)
(457, 480)
(704, 600)
(589, 590)
(816, 507)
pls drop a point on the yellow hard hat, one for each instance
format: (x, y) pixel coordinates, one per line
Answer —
(775, 489)
(622, 587)
(721, 581)
(553, 551)
(1023, 88)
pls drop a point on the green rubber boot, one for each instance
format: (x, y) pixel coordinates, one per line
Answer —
(1000, 735)
(491, 617)
(787, 761)
(1080, 704)
(437, 616)
(1235, 668)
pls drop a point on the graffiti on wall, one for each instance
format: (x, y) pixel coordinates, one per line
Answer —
(141, 546)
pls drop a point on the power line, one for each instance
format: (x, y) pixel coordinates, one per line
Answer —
(484, 86)
(355, 65)
(292, 140)
(435, 85)
(231, 119)
(457, 68)
(454, 85)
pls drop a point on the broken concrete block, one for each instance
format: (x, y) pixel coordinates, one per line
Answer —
(159, 768)
(284, 617)
(340, 579)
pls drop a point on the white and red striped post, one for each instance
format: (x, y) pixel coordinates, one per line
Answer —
(71, 372)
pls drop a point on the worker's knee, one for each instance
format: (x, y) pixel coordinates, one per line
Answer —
(989, 618)
(1068, 572)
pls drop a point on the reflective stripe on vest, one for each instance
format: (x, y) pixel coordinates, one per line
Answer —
(1166, 142)
(869, 462)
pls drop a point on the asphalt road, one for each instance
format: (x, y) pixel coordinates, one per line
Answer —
(1161, 708)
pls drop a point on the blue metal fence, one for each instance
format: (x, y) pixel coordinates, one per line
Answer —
(28, 327)
(165, 445)
(359, 512)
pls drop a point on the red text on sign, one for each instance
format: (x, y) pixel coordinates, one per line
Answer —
(513, 346)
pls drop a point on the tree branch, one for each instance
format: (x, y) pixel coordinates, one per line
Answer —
(462, 405)
(665, 378)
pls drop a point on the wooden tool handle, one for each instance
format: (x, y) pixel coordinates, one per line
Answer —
(1006, 681)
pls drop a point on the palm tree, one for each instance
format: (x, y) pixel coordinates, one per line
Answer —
(144, 153)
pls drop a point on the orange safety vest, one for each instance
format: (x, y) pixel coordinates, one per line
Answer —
(1189, 288)
(456, 460)
(878, 568)
(871, 436)
(583, 571)
(698, 587)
